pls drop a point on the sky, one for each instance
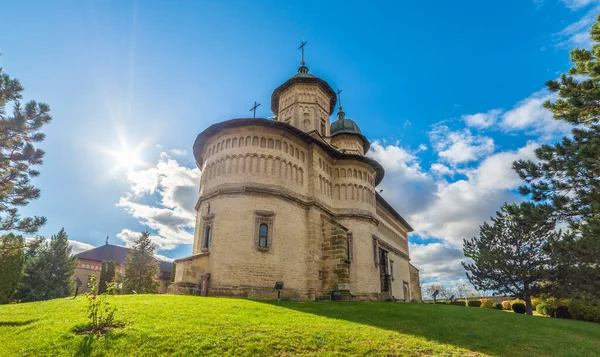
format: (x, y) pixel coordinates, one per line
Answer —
(449, 94)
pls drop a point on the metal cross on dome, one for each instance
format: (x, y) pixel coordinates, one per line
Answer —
(253, 109)
(339, 92)
(302, 44)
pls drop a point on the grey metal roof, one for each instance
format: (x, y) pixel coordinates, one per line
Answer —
(115, 253)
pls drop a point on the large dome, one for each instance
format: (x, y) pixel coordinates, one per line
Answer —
(344, 126)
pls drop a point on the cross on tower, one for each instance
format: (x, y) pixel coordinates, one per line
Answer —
(253, 109)
(106, 240)
(302, 48)
(340, 97)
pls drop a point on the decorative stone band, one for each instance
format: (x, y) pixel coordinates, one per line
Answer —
(388, 247)
(288, 195)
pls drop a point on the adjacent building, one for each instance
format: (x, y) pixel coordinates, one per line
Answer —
(91, 260)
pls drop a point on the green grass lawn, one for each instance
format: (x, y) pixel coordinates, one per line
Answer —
(158, 325)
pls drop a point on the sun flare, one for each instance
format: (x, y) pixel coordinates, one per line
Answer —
(128, 159)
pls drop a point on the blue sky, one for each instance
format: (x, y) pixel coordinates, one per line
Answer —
(449, 92)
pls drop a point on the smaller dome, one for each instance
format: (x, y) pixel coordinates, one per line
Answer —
(344, 126)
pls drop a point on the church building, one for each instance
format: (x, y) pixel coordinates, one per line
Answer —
(294, 199)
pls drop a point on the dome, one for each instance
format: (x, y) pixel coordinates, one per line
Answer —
(344, 126)
(348, 126)
(303, 77)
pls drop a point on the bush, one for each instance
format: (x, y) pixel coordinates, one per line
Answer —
(550, 310)
(458, 302)
(562, 312)
(506, 305)
(487, 303)
(498, 306)
(518, 306)
(581, 310)
(541, 308)
(534, 303)
(558, 308)
(474, 303)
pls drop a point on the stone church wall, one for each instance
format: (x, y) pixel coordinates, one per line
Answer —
(239, 266)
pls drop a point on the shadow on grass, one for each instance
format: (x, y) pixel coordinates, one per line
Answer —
(483, 331)
(16, 323)
(87, 344)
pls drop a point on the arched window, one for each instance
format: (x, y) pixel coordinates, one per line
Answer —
(207, 236)
(263, 234)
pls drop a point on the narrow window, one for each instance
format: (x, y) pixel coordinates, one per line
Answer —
(349, 246)
(263, 234)
(375, 255)
(323, 128)
(392, 269)
(207, 237)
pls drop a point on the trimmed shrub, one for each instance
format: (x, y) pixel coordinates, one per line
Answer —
(474, 303)
(581, 310)
(562, 312)
(541, 308)
(535, 302)
(498, 306)
(506, 305)
(458, 302)
(550, 310)
(518, 306)
(487, 303)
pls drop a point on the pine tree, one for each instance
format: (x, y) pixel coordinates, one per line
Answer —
(12, 257)
(62, 265)
(510, 255)
(566, 175)
(34, 284)
(19, 132)
(107, 274)
(49, 269)
(141, 269)
(102, 280)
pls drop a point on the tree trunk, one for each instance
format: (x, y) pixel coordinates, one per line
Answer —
(528, 305)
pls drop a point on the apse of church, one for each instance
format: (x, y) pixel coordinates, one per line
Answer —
(294, 200)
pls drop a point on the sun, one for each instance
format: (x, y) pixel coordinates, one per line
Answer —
(127, 159)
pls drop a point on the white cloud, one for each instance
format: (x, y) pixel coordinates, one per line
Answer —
(578, 4)
(406, 186)
(441, 169)
(77, 247)
(577, 34)
(437, 261)
(178, 152)
(173, 189)
(460, 146)
(528, 116)
(461, 206)
(482, 120)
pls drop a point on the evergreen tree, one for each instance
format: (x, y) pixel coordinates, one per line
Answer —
(566, 175)
(19, 131)
(49, 270)
(62, 265)
(141, 269)
(35, 279)
(102, 280)
(107, 275)
(12, 258)
(510, 256)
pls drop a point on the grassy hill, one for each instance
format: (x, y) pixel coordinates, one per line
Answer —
(159, 325)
